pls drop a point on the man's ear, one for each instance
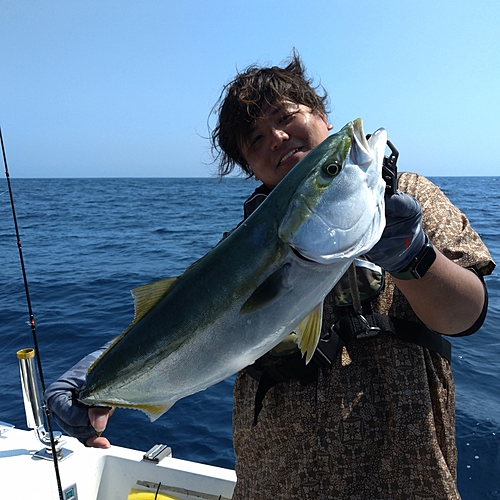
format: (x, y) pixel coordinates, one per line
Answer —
(329, 126)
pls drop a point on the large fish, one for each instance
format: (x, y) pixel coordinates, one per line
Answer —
(266, 279)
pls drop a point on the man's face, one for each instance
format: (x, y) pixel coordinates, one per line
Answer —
(281, 137)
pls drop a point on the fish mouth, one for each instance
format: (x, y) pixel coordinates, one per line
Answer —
(360, 151)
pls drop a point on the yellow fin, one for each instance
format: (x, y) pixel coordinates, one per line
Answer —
(152, 411)
(147, 296)
(309, 332)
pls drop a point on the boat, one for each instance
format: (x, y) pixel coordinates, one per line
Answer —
(42, 464)
(28, 468)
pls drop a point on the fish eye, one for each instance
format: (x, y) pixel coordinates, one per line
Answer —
(332, 169)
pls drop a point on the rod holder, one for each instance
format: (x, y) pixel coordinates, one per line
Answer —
(34, 407)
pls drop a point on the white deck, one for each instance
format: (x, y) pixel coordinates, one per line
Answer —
(101, 474)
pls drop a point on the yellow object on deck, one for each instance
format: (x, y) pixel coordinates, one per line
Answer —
(148, 495)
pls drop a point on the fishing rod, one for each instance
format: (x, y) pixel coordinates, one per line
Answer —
(32, 324)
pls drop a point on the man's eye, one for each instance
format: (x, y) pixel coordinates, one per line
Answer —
(286, 117)
(255, 140)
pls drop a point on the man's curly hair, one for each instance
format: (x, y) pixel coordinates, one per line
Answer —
(242, 100)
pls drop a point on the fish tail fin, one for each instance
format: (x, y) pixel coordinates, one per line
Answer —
(309, 332)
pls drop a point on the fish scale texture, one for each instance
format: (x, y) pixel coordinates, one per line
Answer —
(378, 424)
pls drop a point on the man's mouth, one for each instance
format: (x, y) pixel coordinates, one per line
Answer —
(288, 155)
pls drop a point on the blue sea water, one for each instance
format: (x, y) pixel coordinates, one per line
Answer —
(88, 242)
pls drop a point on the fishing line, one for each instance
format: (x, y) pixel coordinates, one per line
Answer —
(157, 490)
(32, 323)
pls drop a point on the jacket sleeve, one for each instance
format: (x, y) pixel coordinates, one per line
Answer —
(61, 398)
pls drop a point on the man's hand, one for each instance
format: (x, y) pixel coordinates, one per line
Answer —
(73, 417)
(98, 417)
(403, 236)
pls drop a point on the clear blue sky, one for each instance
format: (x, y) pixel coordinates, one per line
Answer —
(124, 88)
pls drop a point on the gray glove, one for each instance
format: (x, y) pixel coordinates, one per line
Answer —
(403, 236)
(66, 411)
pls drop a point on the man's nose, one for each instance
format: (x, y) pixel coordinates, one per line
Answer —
(278, 137)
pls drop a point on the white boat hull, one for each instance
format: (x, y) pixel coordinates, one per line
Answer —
(95, 474)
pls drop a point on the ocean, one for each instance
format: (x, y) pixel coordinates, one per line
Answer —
(88, 242)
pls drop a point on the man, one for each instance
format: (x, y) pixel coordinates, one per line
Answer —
(377, 421)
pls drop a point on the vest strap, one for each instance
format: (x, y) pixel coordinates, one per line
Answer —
(349, 328)
(352, 326)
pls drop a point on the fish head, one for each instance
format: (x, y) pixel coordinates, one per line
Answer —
(337, 211)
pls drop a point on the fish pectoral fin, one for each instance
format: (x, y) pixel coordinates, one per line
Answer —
(147, 296)
(309, 332)
(268, 290)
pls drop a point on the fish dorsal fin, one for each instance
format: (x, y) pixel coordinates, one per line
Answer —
(309, 332)
(147, 296)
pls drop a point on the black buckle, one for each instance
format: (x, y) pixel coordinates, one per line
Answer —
(355, 326)
(369, 331)
(327, 349)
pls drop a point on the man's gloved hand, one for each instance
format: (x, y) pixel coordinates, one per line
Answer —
(403, 236)
(68, 413)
